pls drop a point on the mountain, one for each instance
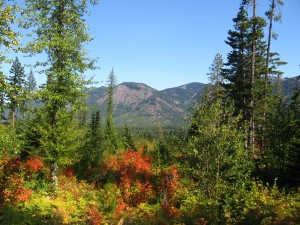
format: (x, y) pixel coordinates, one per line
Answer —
(137, 104)
(289, 85)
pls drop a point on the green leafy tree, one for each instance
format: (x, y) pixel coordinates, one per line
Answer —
(8, 40)
(216, 155)
(59, 30)
(215, 159)
(17, 91)
(8, 37)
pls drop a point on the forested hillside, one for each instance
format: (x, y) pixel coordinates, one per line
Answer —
(71, 154)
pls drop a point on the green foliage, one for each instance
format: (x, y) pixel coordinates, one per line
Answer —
(17, 90)
(111, 135)
(215, 155)
(128, 141)
(9, 141)
(8, 37)
(260, 204)
(59, 30)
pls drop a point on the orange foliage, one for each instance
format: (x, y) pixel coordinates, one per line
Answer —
(34, 163)
(132, 171)
(169, 183)
(12, 178)
(68, 171)
(95, 217)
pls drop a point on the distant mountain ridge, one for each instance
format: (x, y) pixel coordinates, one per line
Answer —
(138, 104)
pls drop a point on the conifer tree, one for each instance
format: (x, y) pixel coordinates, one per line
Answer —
(31, 87)
(245, 68)
(17, 88)
(215, 77)
(236, 72)
(128, 139)
(111, 135)
(31, 82)
(59, 30)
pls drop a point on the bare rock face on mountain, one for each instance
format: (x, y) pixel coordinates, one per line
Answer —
(130, 94)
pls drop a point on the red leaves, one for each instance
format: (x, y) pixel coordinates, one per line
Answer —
(12, 178)
(68, 171)
(95, 217)
(138, 183)
(169, 184)
(34, 163)
(132, 171)
(169, 181)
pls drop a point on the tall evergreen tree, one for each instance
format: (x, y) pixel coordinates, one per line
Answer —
(111, 135)
(59, 29)
(17, 85)
(215, 77)
(31, 82)
(31, 87)
(215, 70)
(272, 16)
(236, 72)
(245, 67)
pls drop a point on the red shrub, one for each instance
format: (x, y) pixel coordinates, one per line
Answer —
(34, 163)
(68, 171)
(13, 173)
(95, 217)
(132, 171)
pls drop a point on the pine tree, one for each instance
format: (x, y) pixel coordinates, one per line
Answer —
(128, 139)
(111, 135)
(236, 72)
(272, 16)
(31, 82)
(17, 90)
(215, 70)
(31, 87)
(60, 31)
(215, 77)
(245, 68)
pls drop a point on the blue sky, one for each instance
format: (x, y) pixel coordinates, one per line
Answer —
(167, 43)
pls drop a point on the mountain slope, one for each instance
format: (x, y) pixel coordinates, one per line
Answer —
(138, 104)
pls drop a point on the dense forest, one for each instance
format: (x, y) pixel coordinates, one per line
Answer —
(235, 161)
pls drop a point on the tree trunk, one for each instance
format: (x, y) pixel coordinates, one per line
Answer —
(252, 123)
